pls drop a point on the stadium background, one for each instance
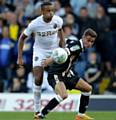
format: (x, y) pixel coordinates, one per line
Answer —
(77, 16)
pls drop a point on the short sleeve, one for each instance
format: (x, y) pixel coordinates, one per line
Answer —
(73, 46)
(60, 21)
(28, 31)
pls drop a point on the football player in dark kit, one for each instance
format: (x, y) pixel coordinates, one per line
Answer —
(62, 76)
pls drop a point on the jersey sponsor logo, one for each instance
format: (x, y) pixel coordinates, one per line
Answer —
(47, 33)
(74, 48)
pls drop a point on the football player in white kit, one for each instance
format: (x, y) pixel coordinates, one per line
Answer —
(48, 32)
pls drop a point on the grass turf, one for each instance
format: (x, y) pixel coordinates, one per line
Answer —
(56, 115)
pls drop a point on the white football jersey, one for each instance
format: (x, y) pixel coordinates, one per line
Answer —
(46, 34)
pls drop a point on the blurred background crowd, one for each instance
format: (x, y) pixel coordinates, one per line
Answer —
(97, 65)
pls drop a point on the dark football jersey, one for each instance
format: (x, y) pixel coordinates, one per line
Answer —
(75, 48)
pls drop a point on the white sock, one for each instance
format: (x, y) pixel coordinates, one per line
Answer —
(58, 98)
(86, 93)
(37, 97)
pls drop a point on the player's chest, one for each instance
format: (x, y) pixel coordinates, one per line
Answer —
(46, 30)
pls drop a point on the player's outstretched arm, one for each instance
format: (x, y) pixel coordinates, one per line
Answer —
(20, 48)
(61, 36)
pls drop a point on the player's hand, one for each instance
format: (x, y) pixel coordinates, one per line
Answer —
(20, 63)
(47, 61)
(44, 63)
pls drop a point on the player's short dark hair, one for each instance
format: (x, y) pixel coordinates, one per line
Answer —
(45, 4)
(90, 32)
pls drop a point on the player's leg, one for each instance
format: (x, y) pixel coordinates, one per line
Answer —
(61, 92)
(85, 89)
(38, 55)
(38, 75)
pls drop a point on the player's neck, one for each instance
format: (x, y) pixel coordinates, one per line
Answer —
(46, 20)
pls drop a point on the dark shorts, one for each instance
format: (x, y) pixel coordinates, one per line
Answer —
(69, 81)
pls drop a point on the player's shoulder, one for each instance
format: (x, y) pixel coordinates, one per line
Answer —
(36, 21)
(72, 41)
(58, 19)
(73, 45)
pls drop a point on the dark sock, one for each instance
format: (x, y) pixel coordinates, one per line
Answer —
(52, 104)
(84, 101)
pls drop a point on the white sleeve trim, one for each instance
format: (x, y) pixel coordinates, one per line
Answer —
(27, 32)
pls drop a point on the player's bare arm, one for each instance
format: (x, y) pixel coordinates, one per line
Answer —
(20, 48)
(61, 36)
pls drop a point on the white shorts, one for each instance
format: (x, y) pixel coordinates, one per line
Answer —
(39, 55)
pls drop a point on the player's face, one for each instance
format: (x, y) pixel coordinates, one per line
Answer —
(48, 12)
(88, 41)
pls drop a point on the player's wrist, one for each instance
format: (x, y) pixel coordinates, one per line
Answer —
(19, 56)
(50, 60)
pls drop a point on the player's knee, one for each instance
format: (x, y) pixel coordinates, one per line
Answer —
(89, 89)
(64, 96)
(37, 90)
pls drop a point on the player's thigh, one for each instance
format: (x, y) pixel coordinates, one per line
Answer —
(38, 74)
(60, 89)
(57, 85)
(38, 56)
(70, 81)
(83, 86)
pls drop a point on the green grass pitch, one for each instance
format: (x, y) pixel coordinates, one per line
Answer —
(56, 115)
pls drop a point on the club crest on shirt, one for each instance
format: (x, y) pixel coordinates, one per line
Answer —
(55, 26)
(36, 58)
